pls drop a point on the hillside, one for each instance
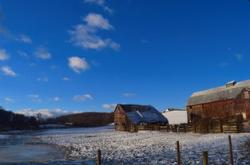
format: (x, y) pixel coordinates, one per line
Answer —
(88, 119)
(11, 121)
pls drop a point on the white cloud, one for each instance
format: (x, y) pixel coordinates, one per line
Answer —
(3, 55)
(45, 113)
(100, 3)
(83, 97)
(85, 35)
(8, 71)
(78, 64)
(35, 98)
(98, 21)
(43, 53)
(24, 38)
(109, 106)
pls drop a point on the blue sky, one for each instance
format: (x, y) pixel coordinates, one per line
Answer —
(87, 55)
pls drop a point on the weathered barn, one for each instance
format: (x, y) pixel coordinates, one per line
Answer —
(130, 117)
(222, 109)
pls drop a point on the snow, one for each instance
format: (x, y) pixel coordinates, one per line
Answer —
(151, 147)
(176, 117)
(4, 136)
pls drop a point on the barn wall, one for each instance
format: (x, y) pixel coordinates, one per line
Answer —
(121, 121)
(210, 117)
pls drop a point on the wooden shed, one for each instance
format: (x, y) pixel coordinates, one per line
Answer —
(131, 117)
(222, 109)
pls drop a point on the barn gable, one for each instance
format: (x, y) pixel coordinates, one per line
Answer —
(229, 91)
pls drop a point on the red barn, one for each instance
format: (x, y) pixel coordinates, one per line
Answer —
(222, 109)
(131, 117)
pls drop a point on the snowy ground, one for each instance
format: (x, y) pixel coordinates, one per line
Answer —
(151, 147)
(4, 136)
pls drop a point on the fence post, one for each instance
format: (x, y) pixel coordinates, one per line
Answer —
(99, 157)
(205, 158)
(178, 153)
(231, 159)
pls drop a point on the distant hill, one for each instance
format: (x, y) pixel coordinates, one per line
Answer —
(87, 119)
(11, 121)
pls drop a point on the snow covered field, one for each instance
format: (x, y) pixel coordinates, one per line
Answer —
(4, 136)
(151, 147)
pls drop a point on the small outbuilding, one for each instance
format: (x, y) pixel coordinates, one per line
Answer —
(132, 117)
(221, 109)
(175, 116)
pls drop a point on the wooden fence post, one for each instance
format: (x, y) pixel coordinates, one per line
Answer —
(99, 157)
(231, 159)
(178, 153)
(221, 127)
(205, 158)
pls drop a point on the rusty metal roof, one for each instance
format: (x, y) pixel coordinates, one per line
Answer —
(219, 93)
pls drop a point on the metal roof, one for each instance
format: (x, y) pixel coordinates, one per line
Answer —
(143, 114)
(220, 93)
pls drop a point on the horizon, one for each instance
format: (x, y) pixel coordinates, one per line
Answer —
(89, 55)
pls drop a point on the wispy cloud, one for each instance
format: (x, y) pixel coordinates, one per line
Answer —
(234, 59)
(238, 56)
(9, 100)
(128, 94)
(65, 78)
(85, 35)
(84, 97)
(6, 70)
(4, 55)
(22, 54)
(101, 3)
(78, 64)
(43, 53)
(35, 98)
(109, 106)
(43, 79)
(24, 38)
(56, 99)
(3, 30)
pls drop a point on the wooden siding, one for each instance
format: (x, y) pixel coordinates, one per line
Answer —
(121, 121)
(221, 115)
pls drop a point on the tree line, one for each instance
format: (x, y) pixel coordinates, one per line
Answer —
(12, 121)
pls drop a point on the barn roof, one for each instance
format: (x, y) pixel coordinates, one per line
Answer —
(230, 91)
(143, 113)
